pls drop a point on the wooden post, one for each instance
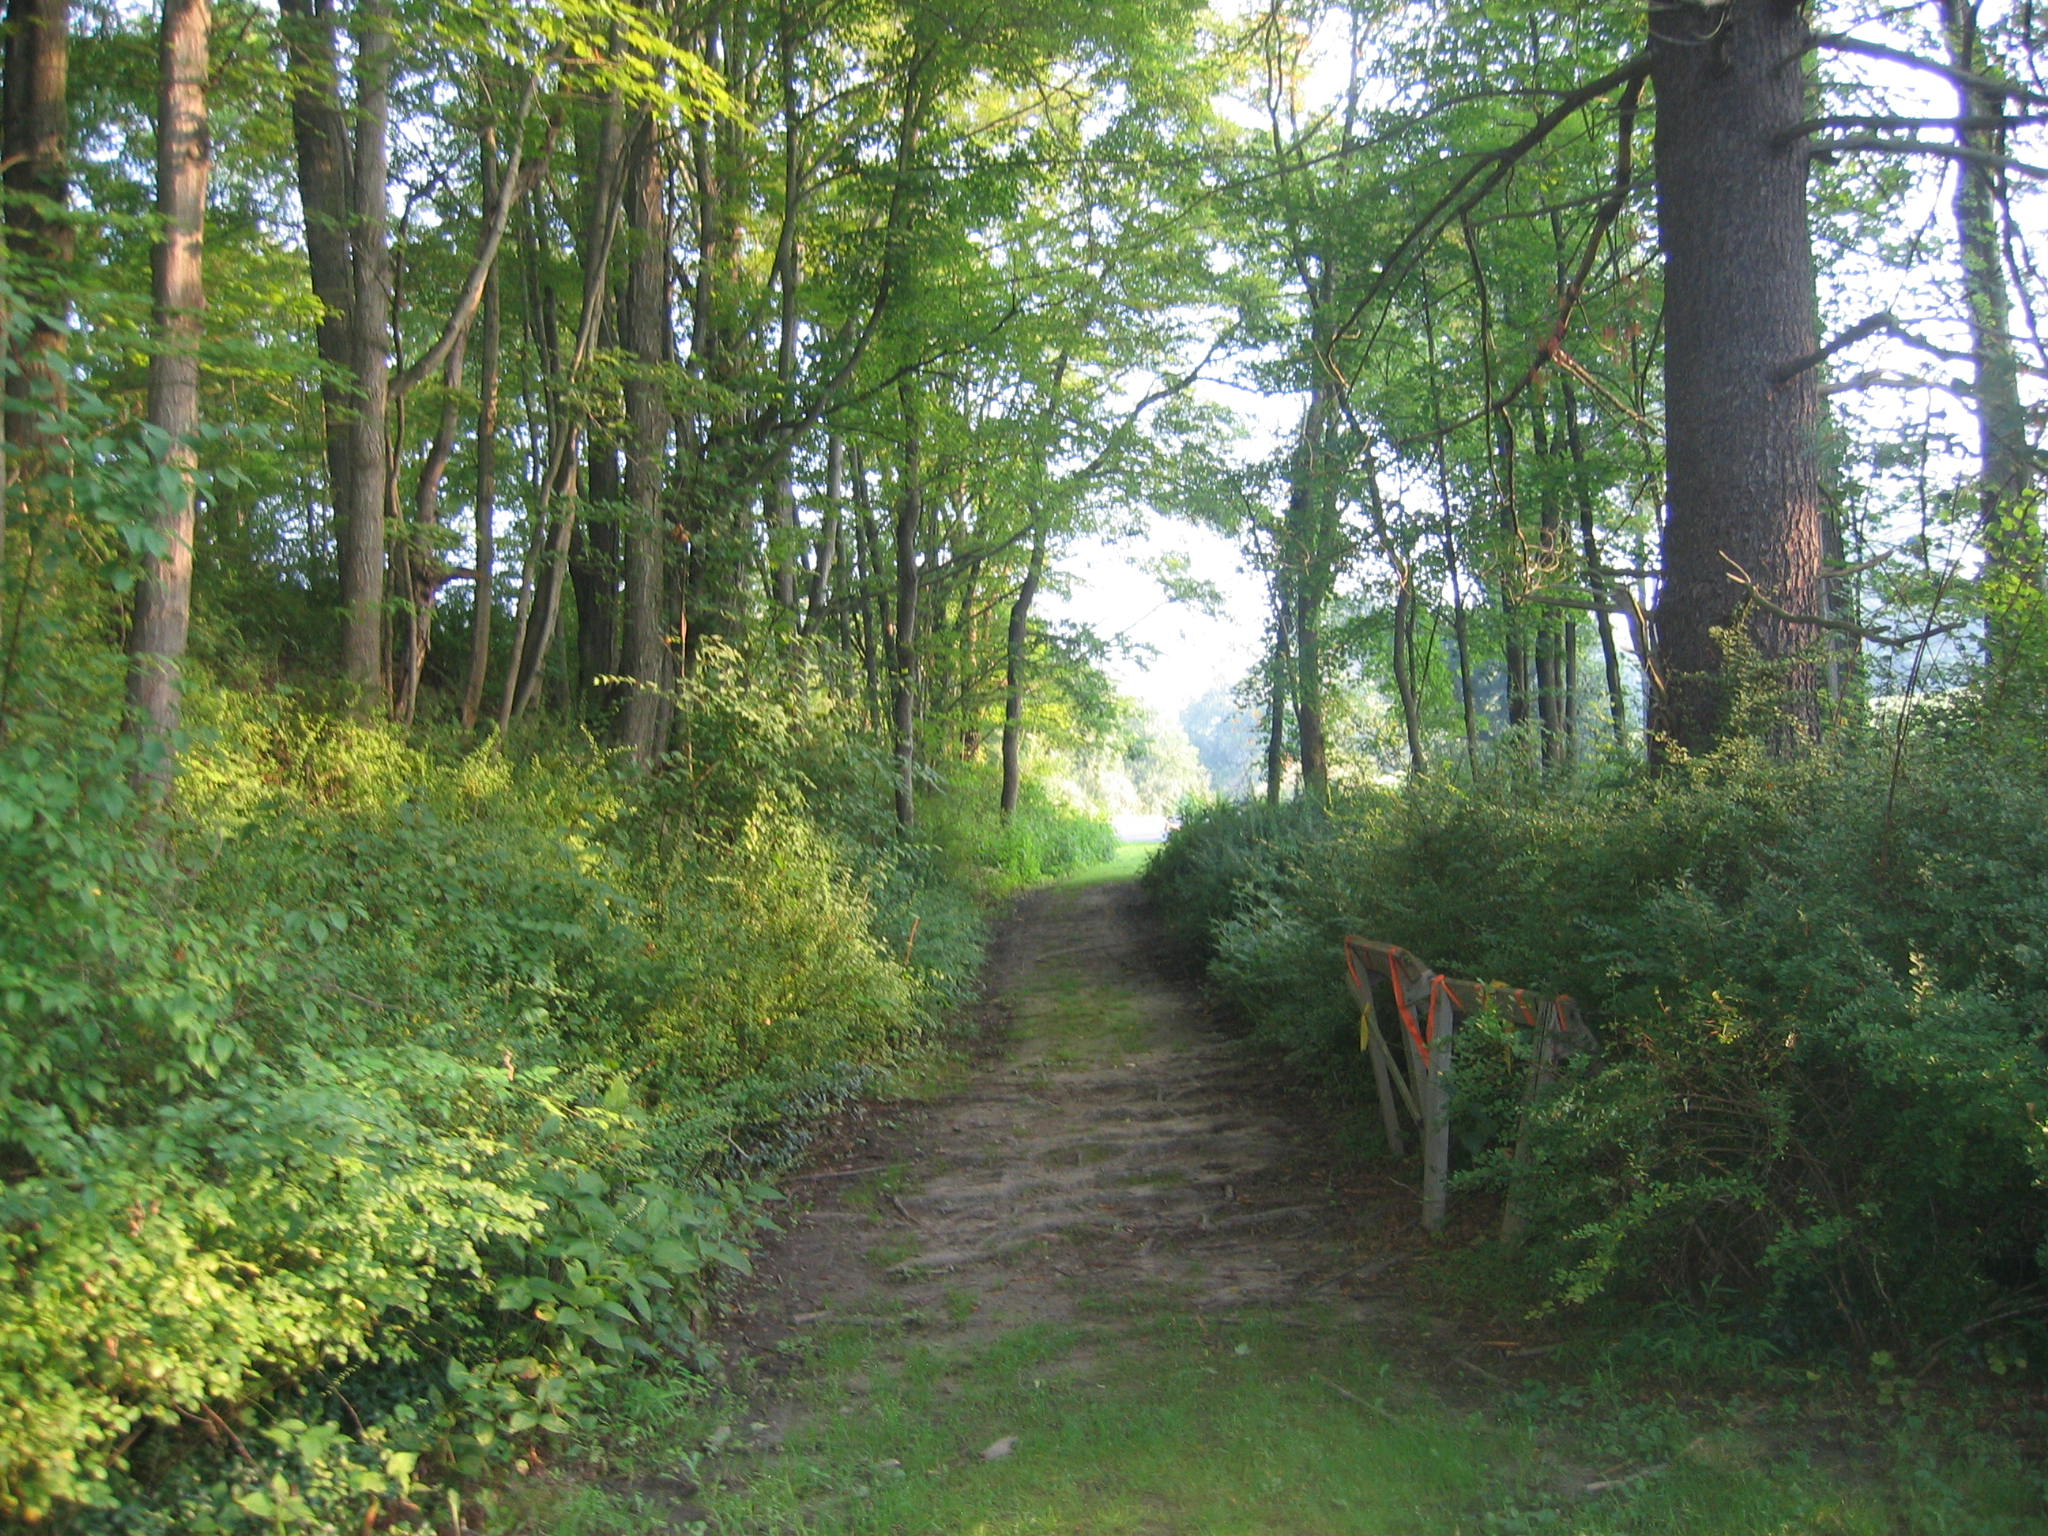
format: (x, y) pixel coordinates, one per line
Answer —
(1382, 1065)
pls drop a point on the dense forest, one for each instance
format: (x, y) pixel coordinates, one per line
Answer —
(525, 532)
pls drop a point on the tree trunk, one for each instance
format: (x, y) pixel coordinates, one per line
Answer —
(903, 660)
(489, 364)
(1282, 669)
(595, 575)
(2007, 517)
(648, 328)
(38, 182)
(1597, 579)
(1742, 460)
(320, 138)
(1013, 665)
(828, 534)
(1308, 549)
(362, 520)
(163, 600)
(426, 572)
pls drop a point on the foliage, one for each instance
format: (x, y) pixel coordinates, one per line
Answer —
(1044, 839)
(1815, 984)
(438, 1075)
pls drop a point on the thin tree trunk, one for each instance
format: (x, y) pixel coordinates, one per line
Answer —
(2008, 521)
(873, 602)
(549, 566)
(1596, 572)
(595, 576)
(904, 661)
(38, 182)
(1282, 668)
(782, 495)
(489, 365)
(648, 330)
(1013, 665)
(163, 600)
(828, 533)
(1461, 626)
(426, 571)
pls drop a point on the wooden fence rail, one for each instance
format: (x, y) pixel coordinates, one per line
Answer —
(1415, 1073)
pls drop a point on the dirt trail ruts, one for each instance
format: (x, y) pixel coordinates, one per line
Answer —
(1115, 1138)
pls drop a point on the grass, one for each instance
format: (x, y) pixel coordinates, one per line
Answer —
(1127, 863)
(1147, 1421)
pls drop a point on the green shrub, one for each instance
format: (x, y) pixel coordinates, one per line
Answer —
(1818, 987)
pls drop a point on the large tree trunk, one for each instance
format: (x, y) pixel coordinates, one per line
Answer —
(648, 330)
(1742, 456)
(2009, 522)
(163, 600)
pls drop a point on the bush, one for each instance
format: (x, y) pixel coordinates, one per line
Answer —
(444, 1076)
(1818, 989)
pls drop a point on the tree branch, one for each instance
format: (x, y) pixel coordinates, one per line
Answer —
(1881, 321)
(1748, 583)
(518, 180)
(1864, 144)
(1884, 121)
(1480, 178)
(1840, 43)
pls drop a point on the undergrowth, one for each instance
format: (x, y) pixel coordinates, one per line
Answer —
(371, 1107)
(1817, 985)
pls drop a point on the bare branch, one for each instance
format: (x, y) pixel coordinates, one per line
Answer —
(1864, 144)
(1839, 43)
(1885, 122)
(1870, 326)
(1755, 593)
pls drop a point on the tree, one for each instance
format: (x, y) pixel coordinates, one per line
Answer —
(163, 598)
(1742, 399)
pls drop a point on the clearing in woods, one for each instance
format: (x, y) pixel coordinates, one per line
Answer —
(1115, 1278)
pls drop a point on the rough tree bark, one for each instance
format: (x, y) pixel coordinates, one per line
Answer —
(163, 599)
(1742, 458)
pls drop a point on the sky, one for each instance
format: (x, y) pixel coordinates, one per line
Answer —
(1191, 652)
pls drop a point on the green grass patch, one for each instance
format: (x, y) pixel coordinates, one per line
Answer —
(1146, 1419)
(1127, 863)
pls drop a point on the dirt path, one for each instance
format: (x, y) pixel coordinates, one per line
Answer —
(1119, 1245)
(1119, 1139)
